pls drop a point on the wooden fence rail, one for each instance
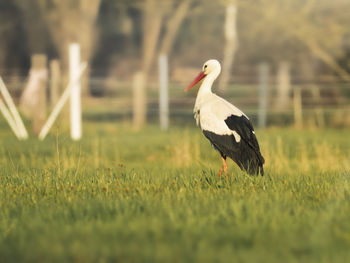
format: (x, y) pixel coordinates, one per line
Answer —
(114, 100)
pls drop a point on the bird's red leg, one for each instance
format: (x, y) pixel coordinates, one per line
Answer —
(220, 172)
(224, 165)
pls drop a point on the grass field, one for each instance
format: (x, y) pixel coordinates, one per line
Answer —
(124, 196)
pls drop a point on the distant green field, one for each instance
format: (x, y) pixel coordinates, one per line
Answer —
(151, 196)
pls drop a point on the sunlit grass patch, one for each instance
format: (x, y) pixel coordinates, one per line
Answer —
(122, 195)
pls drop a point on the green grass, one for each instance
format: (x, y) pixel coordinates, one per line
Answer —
(148, 196)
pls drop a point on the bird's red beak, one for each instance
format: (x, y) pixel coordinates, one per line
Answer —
(200, 76)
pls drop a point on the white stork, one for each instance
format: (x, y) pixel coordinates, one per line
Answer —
(225, 126)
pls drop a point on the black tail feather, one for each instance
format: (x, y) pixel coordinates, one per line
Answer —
(247, 157)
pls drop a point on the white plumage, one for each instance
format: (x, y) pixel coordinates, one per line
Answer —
(227, 127)
(213, 111)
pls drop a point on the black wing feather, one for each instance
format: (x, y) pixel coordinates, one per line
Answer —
(245, 152)
(244, 128)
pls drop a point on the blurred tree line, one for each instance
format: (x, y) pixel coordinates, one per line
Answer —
(121, 37)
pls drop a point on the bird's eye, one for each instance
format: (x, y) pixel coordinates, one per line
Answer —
(205, 66)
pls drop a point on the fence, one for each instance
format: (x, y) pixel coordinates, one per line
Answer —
(323, 102)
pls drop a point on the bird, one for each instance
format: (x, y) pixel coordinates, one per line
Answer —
(227, 128)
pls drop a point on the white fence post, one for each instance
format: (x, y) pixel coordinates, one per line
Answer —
(139, 103)
(263, 81)
(55, 81)
(283, 86)
(163, 92)
(58, 107)
(75, 98)
(298, 107)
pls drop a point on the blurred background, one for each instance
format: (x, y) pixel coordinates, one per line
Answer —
(285, 62)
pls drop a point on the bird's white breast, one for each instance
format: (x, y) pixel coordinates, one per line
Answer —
(212, 111)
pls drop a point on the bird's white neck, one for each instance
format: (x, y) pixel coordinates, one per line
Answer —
(207, 83)
(212, 68)
(204, 90)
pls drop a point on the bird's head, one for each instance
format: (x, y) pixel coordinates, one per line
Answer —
(210, 68)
